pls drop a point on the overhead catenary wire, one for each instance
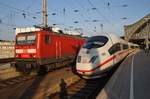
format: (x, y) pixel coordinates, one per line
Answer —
(30, 5)
(85, 13)
(83, 17)
(98, 11)
(110, 5)
(89, 17)
(75, 12)
(28, 13)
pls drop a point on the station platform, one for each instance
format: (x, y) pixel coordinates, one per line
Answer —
(131, 80)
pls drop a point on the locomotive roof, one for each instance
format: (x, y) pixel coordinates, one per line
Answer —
(26, 29)
(53, 29)
(70, 35)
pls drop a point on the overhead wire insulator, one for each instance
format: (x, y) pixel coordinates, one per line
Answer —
(24, 15)
(95, 20)
(34, 17)
(124, 18)
(76, 10)
(76, 22)
(53, 13)
(124, 5)
(94, 8)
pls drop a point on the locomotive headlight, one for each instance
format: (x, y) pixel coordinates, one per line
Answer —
(31, 50)
(79, 59)
(34, 56)
(92, 60)
(19, 51)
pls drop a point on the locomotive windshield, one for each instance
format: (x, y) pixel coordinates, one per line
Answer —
(25, 39)
(95, 42)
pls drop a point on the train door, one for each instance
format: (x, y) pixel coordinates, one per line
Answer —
(58, 49)
(46, 47)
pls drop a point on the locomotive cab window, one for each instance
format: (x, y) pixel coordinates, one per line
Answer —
(31, 39)
(95, 42)
(115, 48)
(23, 39)
(47, 39)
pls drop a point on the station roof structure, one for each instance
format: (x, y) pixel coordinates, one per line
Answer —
(138, 30)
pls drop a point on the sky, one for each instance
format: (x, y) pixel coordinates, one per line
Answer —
(91, 17)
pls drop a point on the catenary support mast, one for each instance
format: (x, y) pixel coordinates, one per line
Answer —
(44, 12)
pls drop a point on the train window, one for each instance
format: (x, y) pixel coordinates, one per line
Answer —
(25, 39)
(125, 46)
(21, 39)
(116, 47)
(95, 42)
(47, 39)
(31, 39)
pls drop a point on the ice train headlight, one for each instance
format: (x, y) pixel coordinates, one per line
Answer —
(92, 60)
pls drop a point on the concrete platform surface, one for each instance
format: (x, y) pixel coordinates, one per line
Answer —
(131, 80)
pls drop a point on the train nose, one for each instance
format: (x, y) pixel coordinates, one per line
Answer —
(85, 68)
(86, 65)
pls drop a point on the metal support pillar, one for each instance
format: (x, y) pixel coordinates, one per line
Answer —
(44, 12)
(147, 36)
(147, 43)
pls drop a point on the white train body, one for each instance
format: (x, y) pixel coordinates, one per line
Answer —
(100, 53)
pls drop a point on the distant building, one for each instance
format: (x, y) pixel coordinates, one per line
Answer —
(139, 32)
(6, 49)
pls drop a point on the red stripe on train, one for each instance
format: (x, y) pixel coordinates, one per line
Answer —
(105, 62)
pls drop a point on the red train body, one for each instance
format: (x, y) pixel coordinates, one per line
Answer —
(45, 50)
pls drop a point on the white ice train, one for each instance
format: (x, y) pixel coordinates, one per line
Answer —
(100, 53)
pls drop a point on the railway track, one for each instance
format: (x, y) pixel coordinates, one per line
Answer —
(7, 72)
(82, 89)
(19, 78)
(15, 81)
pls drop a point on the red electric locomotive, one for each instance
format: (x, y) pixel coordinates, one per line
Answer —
(43, 50)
